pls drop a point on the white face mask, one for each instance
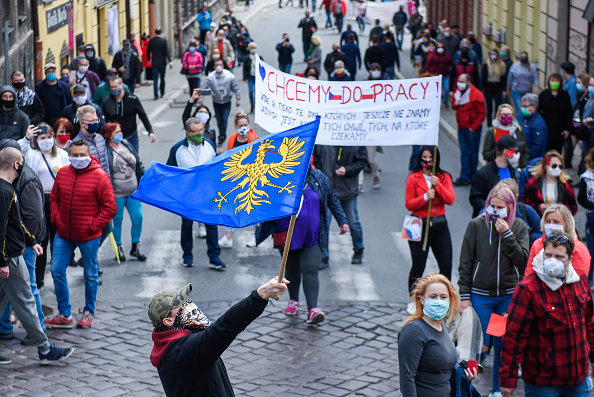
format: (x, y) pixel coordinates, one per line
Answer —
(203, 117)
(83, 69)
(514, 161)
(496, 214)
(80, 100)
(493, 57)
(549, 228)
(219, 69)
(440, 50)
(461, 86)
(447, 34)
(554, 172)
(376, 74)
(216, 56)
(553, 267)
(243, 131)
(46, 144)
(80, 163)
(220, 38)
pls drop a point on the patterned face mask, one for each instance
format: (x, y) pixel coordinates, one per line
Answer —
(190, 317)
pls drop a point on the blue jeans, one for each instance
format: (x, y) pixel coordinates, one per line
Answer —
(445, 88)
(590, 240)
(306, 44)
(251, 88)
(30, 258)
(484, 307)
(63, 250)
(582, 390)
(133, 140)
(339, 20)
(361, 23)
(194, 83)
(400, 36)
(285, 68)
(134, 208)
(350, 210)
(158, 72)
(187, 241)
(517, 98)
(222, 111)
(328, 19)
(469, 149)
(390, 73)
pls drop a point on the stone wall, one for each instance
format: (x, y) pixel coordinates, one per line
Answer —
(18, 15)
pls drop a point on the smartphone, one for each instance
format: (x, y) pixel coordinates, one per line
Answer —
(41, 130)
(204, 92)
(473, 366)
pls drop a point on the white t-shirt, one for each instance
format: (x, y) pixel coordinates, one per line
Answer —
(550, 192)
(192, 155)
(47, 181)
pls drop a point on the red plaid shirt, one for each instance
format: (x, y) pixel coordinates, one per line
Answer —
(533, 195)
(549, 333)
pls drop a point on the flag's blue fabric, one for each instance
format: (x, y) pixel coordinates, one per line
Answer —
(247, 185)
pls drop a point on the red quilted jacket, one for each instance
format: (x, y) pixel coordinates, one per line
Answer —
(82, 202)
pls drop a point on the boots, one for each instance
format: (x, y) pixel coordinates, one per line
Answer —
(135, 252)
(121, 253)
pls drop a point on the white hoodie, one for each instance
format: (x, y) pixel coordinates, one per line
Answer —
(553, 283)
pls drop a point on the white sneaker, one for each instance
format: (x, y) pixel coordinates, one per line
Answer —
(224, 242)
(411, 308)
(495, 394)
(202, 231)
(252, 242)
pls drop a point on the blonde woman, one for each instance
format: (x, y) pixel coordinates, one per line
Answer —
(493, 81)
(549, 185)
(315, 53)
(505, 123)
(426, 354)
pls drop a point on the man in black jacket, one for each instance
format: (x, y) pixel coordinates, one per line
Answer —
(26, 99)
(122, 107)
(128, 65)
(309, 27)
(96, 64)
(488, 176)
(188, 347)
(375, 54)
(342, 165)
(14, 122)
(14, 277)
(331, 58)
(159, 51)
(80, 98)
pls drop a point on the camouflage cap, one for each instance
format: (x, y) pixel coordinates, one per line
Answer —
(164, 301)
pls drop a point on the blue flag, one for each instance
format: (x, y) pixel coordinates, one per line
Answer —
(253, 183)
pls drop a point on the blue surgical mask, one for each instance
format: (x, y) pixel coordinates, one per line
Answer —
(436, 309)
(92, 128)
(253, 51)
(118, 138)
(192, 49)
(51, 77)
(66, 79)
(591, 90)
(579, 87)
(116, 92)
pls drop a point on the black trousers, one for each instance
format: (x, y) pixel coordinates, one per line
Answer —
(440, 243)
(493, 92)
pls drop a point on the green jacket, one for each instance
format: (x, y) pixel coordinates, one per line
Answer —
(103, 92)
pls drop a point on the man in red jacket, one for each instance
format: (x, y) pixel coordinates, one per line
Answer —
(82, 203)
(469, 104)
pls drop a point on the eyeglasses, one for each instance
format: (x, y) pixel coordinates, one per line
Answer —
(557, 165)
(558, 238)
(198, 131)
(91, 121)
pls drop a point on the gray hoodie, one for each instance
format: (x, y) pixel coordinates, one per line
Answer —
(222, 93)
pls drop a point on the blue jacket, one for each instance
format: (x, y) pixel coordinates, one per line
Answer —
(391, 54)
(172, 160)
(459, 384)
(344, 37)
(285, 56)
(525, 176)
(353, 55)
(204, 19)
(328, 200)
(536, 135)
(569, 85)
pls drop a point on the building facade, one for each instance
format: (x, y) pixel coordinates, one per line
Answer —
(20, 39)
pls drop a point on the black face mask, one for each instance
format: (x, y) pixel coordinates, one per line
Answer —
(20, 169)
(18, 86)
(8, 104)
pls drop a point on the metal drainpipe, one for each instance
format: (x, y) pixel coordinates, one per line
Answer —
(6, 51)
(37, 44)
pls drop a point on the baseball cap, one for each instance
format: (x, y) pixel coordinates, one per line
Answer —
(49, 65)
(375, 65)
(164, 301)
(506, 142)
(126, 41)
(111, 71)
(79, 88)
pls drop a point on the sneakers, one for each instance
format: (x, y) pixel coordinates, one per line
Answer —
(85, 321)
(224, 242)
(135, 252)
(461, 182)
(121, 254)
(202, 231)
(292, 307)
(4, 360)
(411, 308)
(252, 242)
(315, 316)
(188, 265)
(217, 264)
(59, 321)
(324, 264)
(376, 183)
(357, 257)
(55, 354)
(495, 394)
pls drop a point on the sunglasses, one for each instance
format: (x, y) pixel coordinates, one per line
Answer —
(557, 165)
(558, 238)
(241, 116)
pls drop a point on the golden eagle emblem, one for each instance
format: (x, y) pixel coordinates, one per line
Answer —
(258, 172)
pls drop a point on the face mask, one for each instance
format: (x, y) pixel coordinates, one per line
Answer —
(514, 161)
(19, 86)
(92, 128)
(253, 51)
(426, 164)
(50, 77)
(447, 34)
(80, 100)
(503, 54)
(436, 309)
(80, 163)
(431, 49)
(461, 86)
(190, 317)
(63, 138)
(243, 131)
(116, 92)
(126, 47)
(196, 140)
(340, 71)
(83, 69)
(203, 117)
(7, 104)
(219, 69)
(216, 56)
(525, 112)
(192, 49)
(376, 74)
(66, 79)
(493, 57)
(554, 85)
(425, 42)
(46, 144)
(496, 214)
(579, 87)
(591, 90)
(220, 38)
(20, 169)
(549, 228)
(553, 267)
(440, 50)
(506, 119)
(554, 172)
(90, 54)
(118, 138)
(524, 60)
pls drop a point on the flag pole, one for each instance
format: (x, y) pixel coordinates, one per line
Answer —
(426, 239)
(281, 273)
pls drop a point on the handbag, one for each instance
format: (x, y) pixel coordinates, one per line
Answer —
(412, 228)
(184, 70)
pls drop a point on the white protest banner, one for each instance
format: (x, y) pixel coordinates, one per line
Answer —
(384, 11)
(354, 113)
